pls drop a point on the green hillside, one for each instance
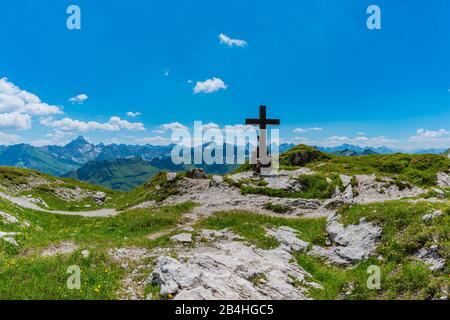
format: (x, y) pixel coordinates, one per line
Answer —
(26, 156)
(118, 174)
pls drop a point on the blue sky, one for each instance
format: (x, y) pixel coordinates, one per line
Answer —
(315, 64)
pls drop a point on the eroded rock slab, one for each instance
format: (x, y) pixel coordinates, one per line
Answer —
(353, 243)
(62, 248)
(443, 180)
(227, 269)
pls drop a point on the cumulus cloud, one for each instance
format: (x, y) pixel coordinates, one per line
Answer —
(422, 134)
(8, 138)
(14, 99)
(240, 127)
(70, 125)
(431, 138)
(15, 121)
(79, 99)
(210, 86)
(156, 141)
(303, 130)
(133, 114)
(173, 126)
(224, 39)
(210, 126)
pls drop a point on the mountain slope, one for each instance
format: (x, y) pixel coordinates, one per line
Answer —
(117, 174)
(26, 156)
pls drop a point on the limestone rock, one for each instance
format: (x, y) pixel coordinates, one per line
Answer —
(62, 248)
(196, 173)
(225, 271)
(99, 197)
(182, 238)
(353, 242)
(212, 234)
(171, 176)
(431, 257)
(443, 180)
(85, 253)
(216, 181)
(288, 239)
(7, 218)
(281, 182)
(9, 237)
(430, 216)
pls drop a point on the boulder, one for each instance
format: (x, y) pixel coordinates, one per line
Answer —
(431, 257)
(443, 180)
(182, 238)
(216, 181)
(171, 176)
(196, 173)
(288, 239)
(9, 237)
(353, 243)
(99, 197)
(430, 216)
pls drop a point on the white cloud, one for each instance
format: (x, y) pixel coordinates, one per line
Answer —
(156, 141)
(133, 114)
(430, 134)
(224, 39)
(173, 126)
(425, 138)
(361, 133)
(159, 131)
(210, 126)
(70, 125)
(14, 99)
(79, 99)
(7, 138)
(303, 130)
(15, 120)
(210, 86)
(240, 127)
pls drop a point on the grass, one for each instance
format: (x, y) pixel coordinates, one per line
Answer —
(252, 227)
(22, 267)
(313, 187)
(25, 278)
(420, 170)
(157, 189)
(402, 276)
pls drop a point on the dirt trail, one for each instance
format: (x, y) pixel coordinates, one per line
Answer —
(25, 203)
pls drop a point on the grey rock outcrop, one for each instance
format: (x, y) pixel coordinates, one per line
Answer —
(430, 216)
(226, 271)
(431, 257)
(443, 180)
(196, 173)
(182, 238)
(353, 243)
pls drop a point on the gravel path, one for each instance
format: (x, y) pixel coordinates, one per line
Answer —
(25, 203)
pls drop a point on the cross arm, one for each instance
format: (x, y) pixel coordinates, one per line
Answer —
(252, 121)
(273, 121)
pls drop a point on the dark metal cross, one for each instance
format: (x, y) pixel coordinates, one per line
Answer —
(262, 121)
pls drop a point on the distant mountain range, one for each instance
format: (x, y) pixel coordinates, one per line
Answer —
(77, 157)
(352, 150)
